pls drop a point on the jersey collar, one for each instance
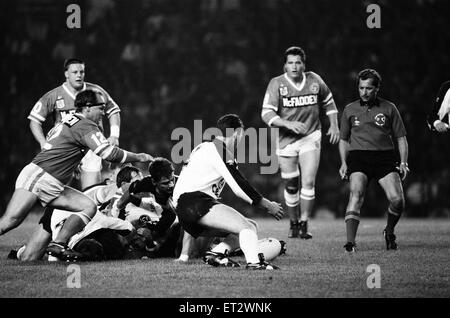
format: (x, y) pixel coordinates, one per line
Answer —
(69, 92)
(302, 84)
(370, 103)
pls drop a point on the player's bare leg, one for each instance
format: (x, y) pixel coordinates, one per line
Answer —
(290, 175)
(36, 245)
(392, 186)
(21, 203)
(73, 201)
(358, 184)
(309, 164)
(226, 219)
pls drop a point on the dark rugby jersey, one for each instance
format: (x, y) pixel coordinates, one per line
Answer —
(371, 128)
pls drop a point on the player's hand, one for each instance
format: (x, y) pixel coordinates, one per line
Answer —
(273, 208)
(113, 140)
(296, 126)
(441, 127)
(333, 132)
(343, 171)
(144, 157)
(404, 170)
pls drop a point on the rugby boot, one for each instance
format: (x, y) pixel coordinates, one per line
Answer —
(303, 229)
(390, 241)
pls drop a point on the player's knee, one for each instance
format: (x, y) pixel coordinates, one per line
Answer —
(307, 193)
(291, 196)
(89, 208)
(250, 226)
(397, 203)
(356, 195)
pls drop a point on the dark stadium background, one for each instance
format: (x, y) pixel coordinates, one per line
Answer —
(169, 62)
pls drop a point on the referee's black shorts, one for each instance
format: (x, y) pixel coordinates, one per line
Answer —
(191, 207)
(374, 164)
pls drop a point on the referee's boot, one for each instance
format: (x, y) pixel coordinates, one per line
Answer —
(293, 229)
(350, 247)
(390, 240)
(303, 230)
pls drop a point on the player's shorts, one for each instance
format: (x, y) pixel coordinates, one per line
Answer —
(305, 144)
(91, 162)
(34, 179)
(374, 164)
(192, 206)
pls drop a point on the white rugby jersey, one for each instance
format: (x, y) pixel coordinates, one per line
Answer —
(207, 171)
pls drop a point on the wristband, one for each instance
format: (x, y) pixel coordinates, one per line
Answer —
(115, 131)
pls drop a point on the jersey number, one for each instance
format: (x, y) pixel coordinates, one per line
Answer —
(98, 138)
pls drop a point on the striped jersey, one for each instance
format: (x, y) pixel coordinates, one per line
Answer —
(303, 102)
(209, 167)
(67, 144)
(60, 102)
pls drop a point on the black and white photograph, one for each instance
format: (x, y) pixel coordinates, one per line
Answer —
(231, 156)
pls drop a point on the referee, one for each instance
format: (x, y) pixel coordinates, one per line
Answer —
(370, 128)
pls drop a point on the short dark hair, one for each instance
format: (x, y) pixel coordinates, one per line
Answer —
(72, 60)
(124, 175)
(370, 73)
(160, 167)
(88, 98)
(295, 50)
(229, 121)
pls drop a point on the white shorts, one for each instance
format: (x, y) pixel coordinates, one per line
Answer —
(91, 162)
(305, 144)
(34, 179)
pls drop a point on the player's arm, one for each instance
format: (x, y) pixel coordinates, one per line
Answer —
(38, 115)
(137, 186)
(242, 188)
(38, 133)
(327, 103)
(114, 124)
(112, 111)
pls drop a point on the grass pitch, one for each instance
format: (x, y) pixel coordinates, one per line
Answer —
(313, 268)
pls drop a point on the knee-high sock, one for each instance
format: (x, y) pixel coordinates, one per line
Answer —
(392, 219)
(351, 225)
(248, 241)
(230, 243)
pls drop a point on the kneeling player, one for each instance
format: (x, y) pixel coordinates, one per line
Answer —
(201, 181)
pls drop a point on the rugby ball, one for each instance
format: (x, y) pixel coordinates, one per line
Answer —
(270, 247)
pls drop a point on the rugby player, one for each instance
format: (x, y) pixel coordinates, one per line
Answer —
(293, 102)
(45, 179)
(59, 103)
(369, 128)
(53, 219)
(210, 166)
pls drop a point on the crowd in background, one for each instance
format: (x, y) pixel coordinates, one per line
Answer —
(168, 62)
